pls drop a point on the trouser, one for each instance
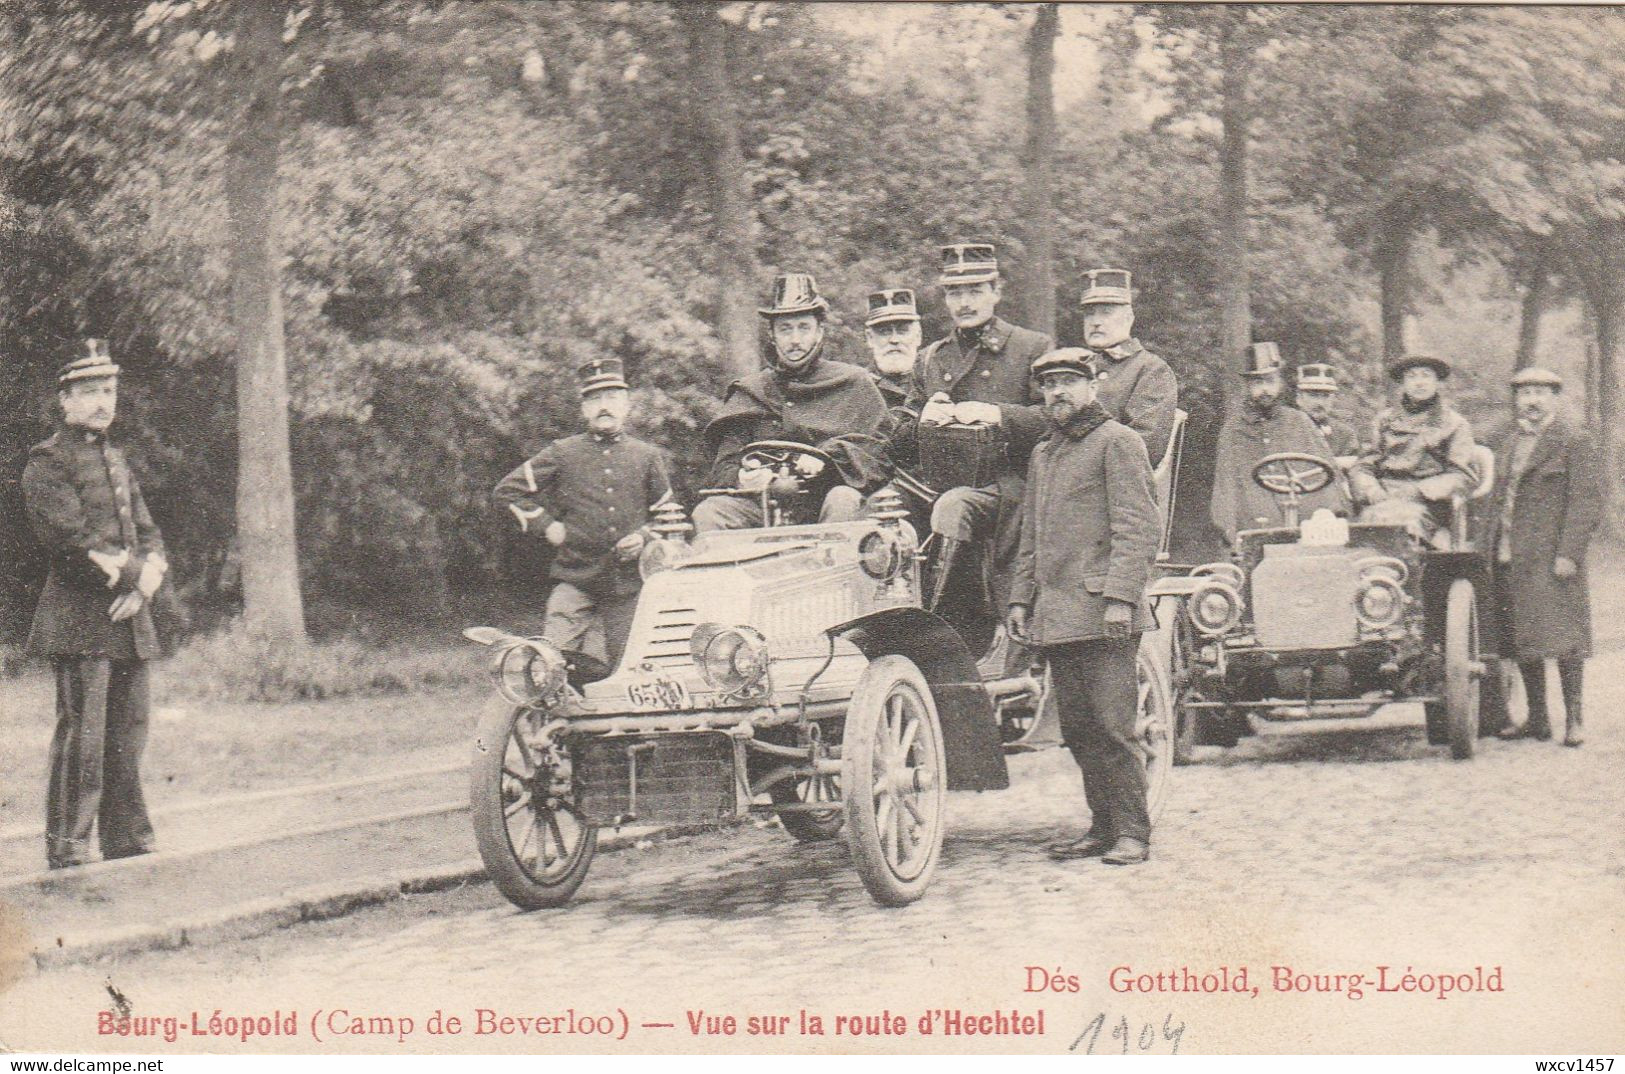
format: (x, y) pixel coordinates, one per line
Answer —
(593, 625)
(1570, 676)
(95, 782)
(1097, 700)
(1426, 520)
(971, 590)
(843, 503)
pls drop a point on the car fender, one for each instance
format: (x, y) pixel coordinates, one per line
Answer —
(1439, 569)
(970, 734)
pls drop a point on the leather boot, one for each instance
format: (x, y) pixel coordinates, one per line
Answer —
(959, 595)
(1570, 671)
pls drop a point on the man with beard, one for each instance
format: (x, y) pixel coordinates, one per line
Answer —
(1420, 454)
(1317, 388)
(807, 397)
(1134, 385)
(589, 496)
(1548, 500)
(1265, 426)
(980, 375)
(892, 330)
(1089, 535)
(94, 618)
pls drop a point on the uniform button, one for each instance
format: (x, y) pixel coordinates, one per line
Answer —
(947, 376)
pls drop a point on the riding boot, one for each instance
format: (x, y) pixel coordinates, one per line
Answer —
(959, 594)
(1571, 674)
(1538, 725)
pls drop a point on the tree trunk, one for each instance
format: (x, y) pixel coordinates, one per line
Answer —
(1597, 255)
(1038, 273)
(1537, 296)
(1235, 278)
(1393, 258)
(733, 212)
(266, 545)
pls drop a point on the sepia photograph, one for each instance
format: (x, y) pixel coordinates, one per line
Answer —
(772, 528)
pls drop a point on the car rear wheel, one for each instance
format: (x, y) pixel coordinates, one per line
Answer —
(536, 847)
(894, 778)
(1154, 729)
(1462, 668)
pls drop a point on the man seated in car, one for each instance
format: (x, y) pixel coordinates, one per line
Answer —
(1420, 454)
(806, 397)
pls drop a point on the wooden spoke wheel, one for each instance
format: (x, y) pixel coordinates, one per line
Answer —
(1154, 730)
(1462, 668)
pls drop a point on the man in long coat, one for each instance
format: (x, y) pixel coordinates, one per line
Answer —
(1265, 426)
(1135, 385)
(806, 396)
(94, 620)
(1547, 501)
(1089, 534)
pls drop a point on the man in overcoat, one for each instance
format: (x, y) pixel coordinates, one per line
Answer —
(589, 496)
(1547, 501)
(1265, 426)
(806, 396)
(94, 618)
(980, 374)
(1135, 386)
(1089, 535)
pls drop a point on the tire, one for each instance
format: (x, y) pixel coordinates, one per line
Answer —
(893, 772)
(1461, 668)
(810, 827)
(1184, 720)
(1154, 730)
(535, 847)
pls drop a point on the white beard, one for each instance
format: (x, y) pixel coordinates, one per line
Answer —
(895, 365)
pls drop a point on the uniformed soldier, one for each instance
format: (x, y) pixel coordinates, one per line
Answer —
(1089, 535)
(980, 374)
(94, 618)
(1134, 385)
(1420, 454)
(892, 330)
(1317, 389)
(1265, 426)
(589, 496)
(805, 396)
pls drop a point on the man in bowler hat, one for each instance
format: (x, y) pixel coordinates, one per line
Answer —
(589, 496)
(94, 618)
(1089, 535)
(1547, 502)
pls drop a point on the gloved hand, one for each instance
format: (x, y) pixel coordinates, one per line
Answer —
(111, 563)
(554, 533)
(939, 410)
(974, 413)
(754, 478)
(1015, 621)
(630, 546)
(126, 605)
(152, 576)
(808, 467)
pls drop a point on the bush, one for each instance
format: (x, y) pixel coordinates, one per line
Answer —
(234, 665)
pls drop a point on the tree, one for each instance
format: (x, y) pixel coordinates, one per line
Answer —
(1039, 223)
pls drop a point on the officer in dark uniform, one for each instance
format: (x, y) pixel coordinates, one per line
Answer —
(1317, 389)
(94, 619)
(892, 330)
(589, 496)
(978, 375)
(1134, 386)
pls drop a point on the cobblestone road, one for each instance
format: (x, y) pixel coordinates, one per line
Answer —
(1331, 851)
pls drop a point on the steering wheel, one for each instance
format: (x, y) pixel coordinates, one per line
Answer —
(784, 457)
(1292, 473)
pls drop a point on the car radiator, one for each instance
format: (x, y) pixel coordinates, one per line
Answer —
(1303, 598)
(654, 779)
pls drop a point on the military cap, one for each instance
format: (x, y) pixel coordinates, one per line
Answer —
(794, 292)
(968, 262)
(1107, 287)
(94, 364)
(1317, 377)
(1397, 367)
(1076, 359)
(1537, 375)
(601, 373)
(896, 304)
(1262, 360)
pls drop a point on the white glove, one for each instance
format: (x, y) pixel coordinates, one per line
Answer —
(939, 410)
(629, 546)
(754, 478)
(152, 576)
(809, 467)
(973, 413)
(125, 605)
(554, 533)
(110, 564)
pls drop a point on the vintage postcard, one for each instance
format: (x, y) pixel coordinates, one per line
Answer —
(807, 528)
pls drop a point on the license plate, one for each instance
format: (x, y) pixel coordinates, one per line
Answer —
(657, 692)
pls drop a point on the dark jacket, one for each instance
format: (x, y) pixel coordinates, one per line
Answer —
(1140, 390)
(81, 497)
(1556, 504)
(602, 490)
(1340, 437)
(1238, 502)
(1089, 531)
(832, 405)
(1433, 447)
(996, 368)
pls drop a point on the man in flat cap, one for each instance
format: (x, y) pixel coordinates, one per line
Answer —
(1089, 535)
(1135, 386)
(979, 376)
(589, 497)
(1547, 501)
(1317, 390)
(94, 618)
(805, 396)
(1420, 454)
(1265, 426)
